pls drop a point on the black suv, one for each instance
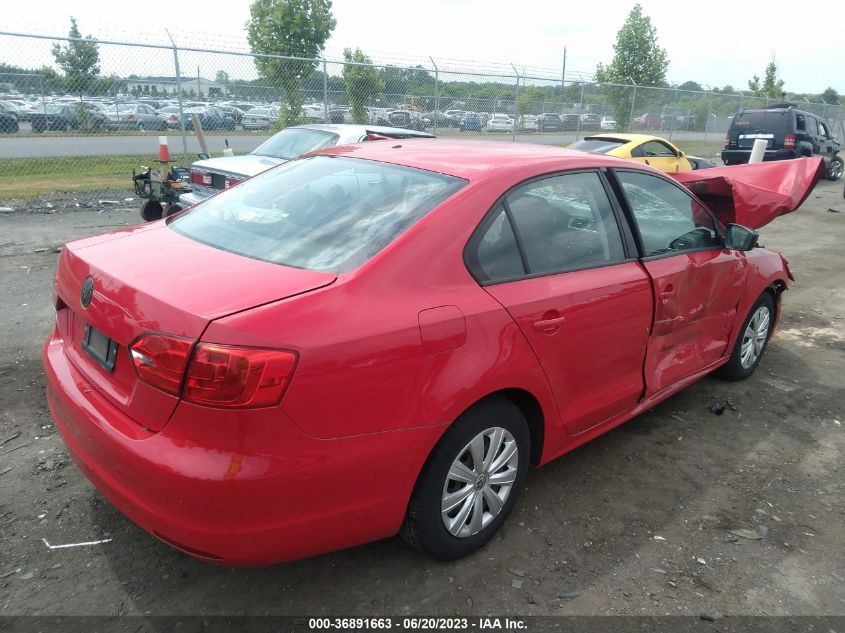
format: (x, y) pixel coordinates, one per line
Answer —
(549, 121)
(790, 132)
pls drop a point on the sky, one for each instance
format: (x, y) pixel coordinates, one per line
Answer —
(716, 43)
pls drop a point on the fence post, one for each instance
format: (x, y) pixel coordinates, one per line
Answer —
(436, 93)
(709, 114)
(633, 103)
(580, 114)
(43, 97)
(325, 92)
(179, 97)
(741, 97)
(515, 104)
(674, 112)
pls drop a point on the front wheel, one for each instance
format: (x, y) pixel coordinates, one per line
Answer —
(471, 481)
(752, 340)
(834, 168)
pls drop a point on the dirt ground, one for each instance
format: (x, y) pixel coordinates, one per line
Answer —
(637, 522)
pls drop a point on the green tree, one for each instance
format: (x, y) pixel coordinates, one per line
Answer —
(222, 77)
(291, 28)
(771, 86)
(362, 83)
(638, 57)
(830, 96)
(79, 58)
(691, 86)
(529, 100)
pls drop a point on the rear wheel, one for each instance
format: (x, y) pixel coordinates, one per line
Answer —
(834, 168)
(752, 340)
(471, 481)
(142, 127)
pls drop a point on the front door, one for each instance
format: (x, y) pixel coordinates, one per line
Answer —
(552, 255)
(659, 155)
(697, 282)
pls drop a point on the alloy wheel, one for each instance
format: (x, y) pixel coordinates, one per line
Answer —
(754, 338)
(479, 482)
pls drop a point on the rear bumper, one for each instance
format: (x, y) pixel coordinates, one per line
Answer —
(742, 155)
(240, 488)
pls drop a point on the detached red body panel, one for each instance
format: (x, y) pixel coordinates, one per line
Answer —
(253, 412)
(754, 195)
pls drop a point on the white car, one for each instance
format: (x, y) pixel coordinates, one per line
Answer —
(213, 174)
(500, 123)
(529, 123)
(608, 123)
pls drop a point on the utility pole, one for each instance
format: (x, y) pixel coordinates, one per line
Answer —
(563, 75)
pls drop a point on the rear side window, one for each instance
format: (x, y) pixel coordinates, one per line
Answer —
(318, 213)
(496, 256)
(565, 222)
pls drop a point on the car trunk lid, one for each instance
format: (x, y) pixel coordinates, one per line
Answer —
(156, 280)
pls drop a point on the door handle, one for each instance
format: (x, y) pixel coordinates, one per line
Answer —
(546, 325)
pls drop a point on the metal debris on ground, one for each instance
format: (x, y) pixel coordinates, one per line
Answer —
(751, 535)
(16, 448)
(569, 595)
(9, 438)
(105, 540)
(517, 583)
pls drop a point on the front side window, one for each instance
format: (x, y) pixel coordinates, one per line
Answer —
(668, 219)
(823, 129)
(565, 222)
(658, 149)
(319, 213)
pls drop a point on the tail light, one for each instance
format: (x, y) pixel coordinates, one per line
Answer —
(727, 141)
(789, 141)
(231, 182)
(201, 178)
(130, 117)
(160, 360)
(225, 376)
(214, 375)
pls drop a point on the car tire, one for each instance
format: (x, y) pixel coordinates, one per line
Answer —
(834, 168)
(142, 127)
(480, 507)
(755, 332)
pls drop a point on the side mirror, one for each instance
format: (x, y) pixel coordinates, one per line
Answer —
(740, 238)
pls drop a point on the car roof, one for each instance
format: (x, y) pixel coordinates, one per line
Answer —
(475, 160)
(351, 132)
(629, 138)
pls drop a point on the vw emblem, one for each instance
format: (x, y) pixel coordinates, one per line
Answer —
(87, 291)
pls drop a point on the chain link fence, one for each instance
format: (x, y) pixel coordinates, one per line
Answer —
(73, 130)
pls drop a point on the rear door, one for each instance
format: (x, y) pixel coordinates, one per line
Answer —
(551, 252)
(697, 282)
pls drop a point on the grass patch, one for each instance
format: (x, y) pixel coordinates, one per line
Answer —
(28, 177)
(704, 149)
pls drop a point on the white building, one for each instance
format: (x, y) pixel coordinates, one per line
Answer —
(169, 85)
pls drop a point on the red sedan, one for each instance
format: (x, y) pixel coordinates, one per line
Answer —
(383, 338)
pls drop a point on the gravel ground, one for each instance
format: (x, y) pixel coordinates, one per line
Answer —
(679, 511)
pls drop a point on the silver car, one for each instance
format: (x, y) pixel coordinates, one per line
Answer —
(133, 116)
(213, 174)
(260, 118)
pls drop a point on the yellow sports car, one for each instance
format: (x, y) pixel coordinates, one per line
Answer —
(643, 148)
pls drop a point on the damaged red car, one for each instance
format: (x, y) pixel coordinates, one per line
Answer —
(383, 338)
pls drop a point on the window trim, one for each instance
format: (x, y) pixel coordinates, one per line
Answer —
(632, 220)
(490, 216)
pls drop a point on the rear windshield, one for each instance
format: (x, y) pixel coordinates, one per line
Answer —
(319, 213)
(763, 121)
(597, 145)
(294, 142)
